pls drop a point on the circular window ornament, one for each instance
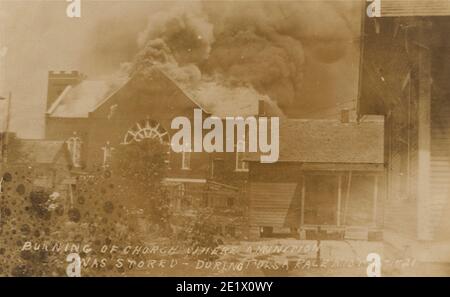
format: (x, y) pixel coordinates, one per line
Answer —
(146, 129)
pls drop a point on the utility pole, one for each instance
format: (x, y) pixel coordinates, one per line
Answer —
(4, 134)
(4, 147)
(6, 130)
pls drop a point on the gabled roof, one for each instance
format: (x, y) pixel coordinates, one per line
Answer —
(222, 101)
(329, 141)
(78, 101)
(36, 151)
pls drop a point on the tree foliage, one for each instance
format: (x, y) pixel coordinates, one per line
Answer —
(140, 167)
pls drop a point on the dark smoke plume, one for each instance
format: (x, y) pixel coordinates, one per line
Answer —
(238, 49)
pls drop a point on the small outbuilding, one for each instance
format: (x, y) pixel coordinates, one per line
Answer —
(329, 179)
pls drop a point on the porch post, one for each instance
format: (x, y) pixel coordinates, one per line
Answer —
(302, 214)
(338, 221)
(375, 201)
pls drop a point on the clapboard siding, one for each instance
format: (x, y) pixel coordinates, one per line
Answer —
(440, 164)
(394, 8)
(274, 204)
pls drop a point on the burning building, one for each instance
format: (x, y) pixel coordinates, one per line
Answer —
(95, 117)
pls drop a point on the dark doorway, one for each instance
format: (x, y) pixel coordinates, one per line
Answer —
(321, 200)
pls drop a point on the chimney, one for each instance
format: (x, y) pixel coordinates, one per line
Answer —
(345, 116)
(261, 107)
(58, 81)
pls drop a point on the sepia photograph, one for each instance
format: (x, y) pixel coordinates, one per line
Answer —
(150, 138)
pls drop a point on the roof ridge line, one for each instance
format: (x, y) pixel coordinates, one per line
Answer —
(181, 89)
(58, 100)
(127, 80)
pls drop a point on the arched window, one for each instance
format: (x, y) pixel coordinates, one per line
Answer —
(74, 147)
(146, 129)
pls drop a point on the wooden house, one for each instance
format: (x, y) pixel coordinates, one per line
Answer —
(42, 165)
(405, 72)
(329, 178)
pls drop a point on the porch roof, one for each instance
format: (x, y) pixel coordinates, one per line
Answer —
(37, 151)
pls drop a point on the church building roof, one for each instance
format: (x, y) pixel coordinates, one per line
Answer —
(79, 100)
